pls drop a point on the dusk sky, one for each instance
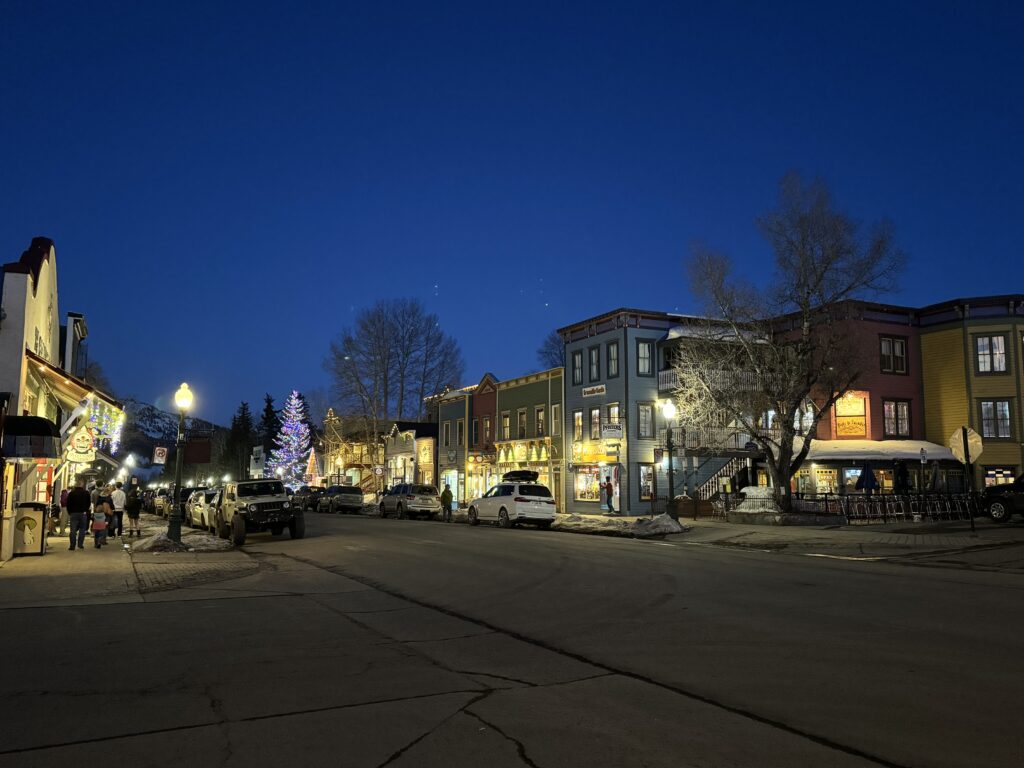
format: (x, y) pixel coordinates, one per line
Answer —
(228, 184)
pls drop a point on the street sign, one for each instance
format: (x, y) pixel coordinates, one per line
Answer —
(378, 471)
(975, 445)
(160, 455)
(611, 431)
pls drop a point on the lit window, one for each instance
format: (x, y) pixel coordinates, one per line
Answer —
(644, 353)
(896, 418)
(577, 425)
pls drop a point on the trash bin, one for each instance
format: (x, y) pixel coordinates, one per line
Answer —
(30, 528)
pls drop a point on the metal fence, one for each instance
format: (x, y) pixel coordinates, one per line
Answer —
(860, 509)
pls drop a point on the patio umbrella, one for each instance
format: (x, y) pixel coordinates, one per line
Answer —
(938, 482)
(867, 481)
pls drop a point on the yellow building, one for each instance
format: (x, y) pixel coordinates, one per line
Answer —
(972, 358)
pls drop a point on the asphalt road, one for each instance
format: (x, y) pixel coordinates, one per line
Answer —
(416, 644)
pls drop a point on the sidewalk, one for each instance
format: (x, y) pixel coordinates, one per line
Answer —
(113, 573)
(856, 541)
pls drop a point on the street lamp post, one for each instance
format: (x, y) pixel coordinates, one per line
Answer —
(182, 399)
(668, 410)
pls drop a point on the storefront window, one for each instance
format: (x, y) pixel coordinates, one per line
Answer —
(646, 482)
(588, 483)
(999, 475)
(851, 415)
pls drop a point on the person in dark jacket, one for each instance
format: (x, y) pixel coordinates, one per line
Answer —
(133, 507)
(79, 502)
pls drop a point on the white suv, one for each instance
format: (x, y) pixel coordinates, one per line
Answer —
(519, 498)
(257, 505)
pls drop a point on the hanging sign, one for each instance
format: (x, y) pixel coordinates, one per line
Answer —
(593, 391)
(611, 431)
(160, 454)
(81, 447)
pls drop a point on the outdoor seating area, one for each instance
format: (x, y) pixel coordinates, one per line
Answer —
(860, 508)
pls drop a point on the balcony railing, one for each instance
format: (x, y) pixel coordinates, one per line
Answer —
(715, 438)
(668, 380)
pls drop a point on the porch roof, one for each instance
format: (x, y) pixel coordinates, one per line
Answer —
(876, 450)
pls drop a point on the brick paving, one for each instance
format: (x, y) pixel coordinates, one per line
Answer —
(155, 574)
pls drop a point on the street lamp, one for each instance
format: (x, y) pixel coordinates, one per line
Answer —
(183, 400)
(668, 410)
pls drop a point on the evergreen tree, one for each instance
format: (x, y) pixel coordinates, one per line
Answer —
(304, 411)
(292, 444)
(270, 425)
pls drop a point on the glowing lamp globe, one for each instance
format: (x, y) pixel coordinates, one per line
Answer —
(183, 397)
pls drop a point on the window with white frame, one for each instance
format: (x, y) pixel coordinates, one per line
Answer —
(645, 419)
(556, 419)
(538, 420)
(613, 359)
(595, 423)
(577, 367)
(506, 425)
(594, 354)
(577, 425)
(645, 358)
(446, 434)
(896, 418)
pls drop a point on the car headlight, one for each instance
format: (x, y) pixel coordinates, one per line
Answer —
(286, 505)
(252, 507)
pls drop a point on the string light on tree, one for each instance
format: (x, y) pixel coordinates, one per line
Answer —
(288, 458)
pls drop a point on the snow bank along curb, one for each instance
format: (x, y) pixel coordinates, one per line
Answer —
(191, 541)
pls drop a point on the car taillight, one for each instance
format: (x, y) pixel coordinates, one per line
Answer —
(520, 498)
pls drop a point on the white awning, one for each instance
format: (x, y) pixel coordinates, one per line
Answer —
(876, 450)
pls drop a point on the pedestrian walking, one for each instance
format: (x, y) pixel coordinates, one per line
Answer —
(446, 503)
(118, 499)
(63, 511)
(133, 508)
(100, 523)
(78, 514)
(608, 488)
(103, 509)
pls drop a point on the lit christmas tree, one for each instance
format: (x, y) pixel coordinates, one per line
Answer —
(292, 443)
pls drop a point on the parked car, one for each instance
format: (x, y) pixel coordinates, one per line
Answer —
(519, 498)
(202, 505)
(341, 498)
(307, 497)
(186, 494)
(1001, 502)
(411, 500)
(161, 502)
(257, 505)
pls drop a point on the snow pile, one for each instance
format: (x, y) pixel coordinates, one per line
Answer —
(194, 541)
(612, 526)
(657, 526)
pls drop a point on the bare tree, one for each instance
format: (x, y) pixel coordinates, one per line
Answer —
(95, 376)
(768, 362)
(551, 352)
(390, 360)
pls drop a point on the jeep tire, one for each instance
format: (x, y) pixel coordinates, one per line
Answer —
(238, 530)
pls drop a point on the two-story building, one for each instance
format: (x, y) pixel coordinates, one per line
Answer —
(973, 361)
(410, 451)
(481, 457)
(530, 428)
(454, 412)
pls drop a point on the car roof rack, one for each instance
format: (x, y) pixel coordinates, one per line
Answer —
(520, 476)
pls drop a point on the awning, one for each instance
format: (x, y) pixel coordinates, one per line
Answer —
(875, 450)
(30, 437)
(69, 390)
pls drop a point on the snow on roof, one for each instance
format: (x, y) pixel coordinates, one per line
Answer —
(880, 450)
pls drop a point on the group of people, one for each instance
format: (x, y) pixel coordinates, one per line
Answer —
(101, 511)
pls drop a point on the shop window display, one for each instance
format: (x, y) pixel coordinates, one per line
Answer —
(588, 484)
(646, 482)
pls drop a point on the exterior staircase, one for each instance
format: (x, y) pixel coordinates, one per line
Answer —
(709, 487)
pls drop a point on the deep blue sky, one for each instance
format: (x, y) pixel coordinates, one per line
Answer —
(228, 183)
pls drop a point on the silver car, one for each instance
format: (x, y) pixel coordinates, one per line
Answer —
(411, 500)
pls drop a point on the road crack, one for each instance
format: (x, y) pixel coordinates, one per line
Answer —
(520, 747)
(463, 709)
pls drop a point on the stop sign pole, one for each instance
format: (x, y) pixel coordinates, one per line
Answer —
(970, 473)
